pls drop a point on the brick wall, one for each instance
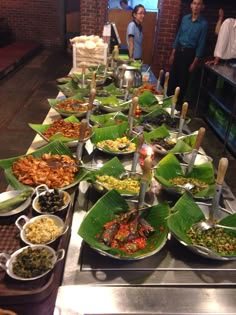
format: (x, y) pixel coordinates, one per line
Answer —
(170, 14)
(93, 16)
(33, 20)
(43, 20)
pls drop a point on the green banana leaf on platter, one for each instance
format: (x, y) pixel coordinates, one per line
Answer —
(112, 168)
(41, 128)
(112, 103)
(70, 88)
(187, 212)
(170, 167)
(109, 119)
(55, 147)
(113, 90)
(148, 102)
(106, 210)
(185, 144)
(80, 112)
(111, 133)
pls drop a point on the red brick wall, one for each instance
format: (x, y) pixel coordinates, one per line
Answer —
(170, 14)
(43, 20)
(93, 16)
(33, 20)
(168, 18)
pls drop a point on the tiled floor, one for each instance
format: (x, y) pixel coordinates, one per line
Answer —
(24, 99)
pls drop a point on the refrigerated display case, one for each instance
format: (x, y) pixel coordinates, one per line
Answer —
(217, 101)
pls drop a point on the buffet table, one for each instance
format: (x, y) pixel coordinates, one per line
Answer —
(173, 281)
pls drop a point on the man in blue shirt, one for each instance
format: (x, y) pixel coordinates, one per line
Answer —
(124, 5)
(187, 49)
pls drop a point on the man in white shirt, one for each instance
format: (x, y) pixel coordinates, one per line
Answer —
(226, 42)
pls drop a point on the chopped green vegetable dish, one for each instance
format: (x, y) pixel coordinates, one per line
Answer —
(33, 262)
(216, 239)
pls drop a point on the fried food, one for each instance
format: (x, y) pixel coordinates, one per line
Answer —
(34, 171)
(72, 105)
(68, 129)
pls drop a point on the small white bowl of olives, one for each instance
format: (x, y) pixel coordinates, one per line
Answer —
(50, 201)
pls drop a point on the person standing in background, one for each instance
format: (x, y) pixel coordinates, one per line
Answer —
(219, 21)
(187, 49)
(134, 33)
(124, 5)
(226, 43)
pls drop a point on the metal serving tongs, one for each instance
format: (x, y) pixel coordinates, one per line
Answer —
(82, 133)
(200, 135)
(182, 118)
(91, 101)
(174, 101)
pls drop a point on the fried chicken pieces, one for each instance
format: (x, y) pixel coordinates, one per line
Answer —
(34, 171)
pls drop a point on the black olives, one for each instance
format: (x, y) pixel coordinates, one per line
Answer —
(51, 201)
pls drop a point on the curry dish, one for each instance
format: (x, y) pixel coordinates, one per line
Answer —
(34, 171)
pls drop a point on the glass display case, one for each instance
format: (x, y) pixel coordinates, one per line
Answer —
(217, 102)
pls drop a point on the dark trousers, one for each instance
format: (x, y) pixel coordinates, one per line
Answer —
(179, 74)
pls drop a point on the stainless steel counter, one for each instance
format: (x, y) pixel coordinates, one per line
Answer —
(173, 281)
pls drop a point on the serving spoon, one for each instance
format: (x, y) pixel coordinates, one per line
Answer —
(208, 224)
(123, 146)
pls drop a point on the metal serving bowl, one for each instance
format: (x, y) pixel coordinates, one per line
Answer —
(11, 194)
(23, 223)
(42, 190)
(7, 261)
(204, 251)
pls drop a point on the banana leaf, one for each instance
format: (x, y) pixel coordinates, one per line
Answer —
(169, 167)
(182, 145)
(166, 102)
(147, 99)
(55, 147)
(69, 88)
(108, 119)
(110, 132)
(41, 128)
(187, 212)
(111, 88)
(112, 168)
(113, 101)
(53, 103)
(106, 209)
(160, 132)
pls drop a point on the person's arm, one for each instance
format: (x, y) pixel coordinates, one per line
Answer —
(131, 47)
(172, 57)
(220, 21)
(214, 62)
(200, 47)
(223, 39)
